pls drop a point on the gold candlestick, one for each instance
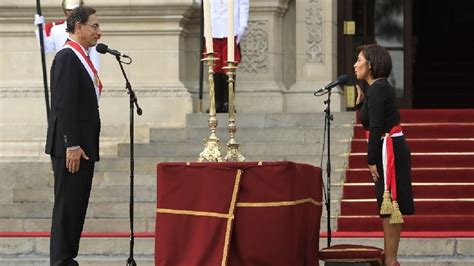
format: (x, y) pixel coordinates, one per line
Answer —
(211, 152)
(233, 152)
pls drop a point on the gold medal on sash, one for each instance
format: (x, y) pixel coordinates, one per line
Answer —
(97, 81)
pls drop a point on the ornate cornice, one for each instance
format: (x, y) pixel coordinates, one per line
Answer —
(157, 19)
(160, 92)
(276, 6)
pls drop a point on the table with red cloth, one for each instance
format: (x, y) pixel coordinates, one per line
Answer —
(250, 213)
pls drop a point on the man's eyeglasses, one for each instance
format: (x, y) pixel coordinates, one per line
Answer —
(95, 26)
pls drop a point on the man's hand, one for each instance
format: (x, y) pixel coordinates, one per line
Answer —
(240, 34)
(39, 19)
(73, 159)
(374, 173)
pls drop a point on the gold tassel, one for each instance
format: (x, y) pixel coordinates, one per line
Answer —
(386, 207)
(396, 217)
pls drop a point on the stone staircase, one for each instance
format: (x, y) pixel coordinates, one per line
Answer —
(27, 184)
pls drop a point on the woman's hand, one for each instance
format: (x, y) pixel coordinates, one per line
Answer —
(374, 173)
(360, 95)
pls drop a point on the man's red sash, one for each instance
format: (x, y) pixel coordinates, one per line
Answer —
(77, 47)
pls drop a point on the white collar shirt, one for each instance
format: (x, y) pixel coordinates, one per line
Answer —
(219, 17)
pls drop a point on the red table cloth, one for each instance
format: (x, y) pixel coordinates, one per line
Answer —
(238, 214)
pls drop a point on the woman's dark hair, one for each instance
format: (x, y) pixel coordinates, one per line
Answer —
(79, 14)
(378, 58)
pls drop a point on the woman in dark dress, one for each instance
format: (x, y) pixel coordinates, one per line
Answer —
(388, 155)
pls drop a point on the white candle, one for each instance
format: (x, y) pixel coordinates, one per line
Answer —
(208, 26)
(230, 32)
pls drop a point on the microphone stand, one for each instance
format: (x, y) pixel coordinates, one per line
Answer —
(328, 117)
(133, 102)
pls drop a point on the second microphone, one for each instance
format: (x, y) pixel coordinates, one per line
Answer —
(103, 48)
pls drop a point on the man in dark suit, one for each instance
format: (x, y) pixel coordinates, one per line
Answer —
(73, 133)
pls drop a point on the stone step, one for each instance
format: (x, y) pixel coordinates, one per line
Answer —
(441, 248)
(273, 120)
(32, 170)
(142, 165)
(113, 195)
(20, 131)
(15, 132)
(91, 224)
(35, 148)
(98, 195)
(24, 174)
(116, 172)
(115, 179)
(83, 261)
(324, 222)
(102, 210)
(25, 140)
(11, 247)
(144, 220)
(416, 261)
(103, 194)
(120, 179)
(246, 135)
(106, 224)
(117, 224)
(37, 132)
(455, 251)
(147, 165)
(160, 149)
(437, 261)
(22, 148)
(149, 261)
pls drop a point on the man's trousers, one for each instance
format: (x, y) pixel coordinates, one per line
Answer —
(71, 197)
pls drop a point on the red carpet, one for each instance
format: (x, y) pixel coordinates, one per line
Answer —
(426, 145)
(420, 191)
(429, 130)
(409, 234)
(438, 159)
(421, 175)
(423, 207)
(442, 145)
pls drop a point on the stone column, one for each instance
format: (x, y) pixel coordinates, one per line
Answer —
(260, 75)
(316, 56)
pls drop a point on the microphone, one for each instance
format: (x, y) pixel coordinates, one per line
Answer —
(341, 80)
(103, 48)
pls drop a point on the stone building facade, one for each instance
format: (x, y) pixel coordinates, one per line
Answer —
(289, 51)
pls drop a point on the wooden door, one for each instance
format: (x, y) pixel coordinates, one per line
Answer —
(387, 22)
